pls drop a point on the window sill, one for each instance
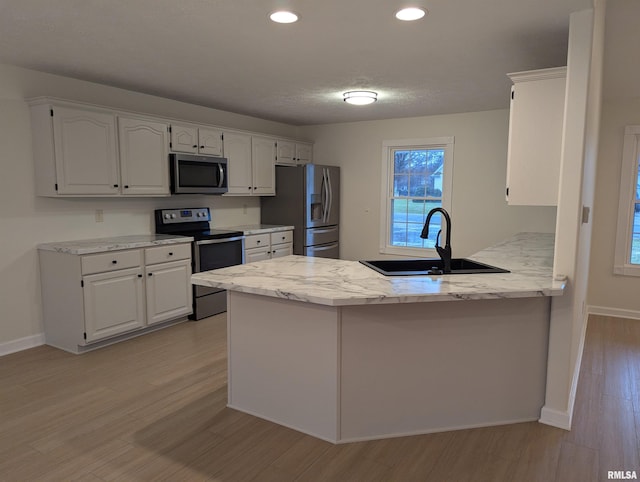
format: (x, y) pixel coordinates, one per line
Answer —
(411, 252)
(627, 270)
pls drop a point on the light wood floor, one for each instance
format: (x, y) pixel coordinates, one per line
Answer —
(153, 408)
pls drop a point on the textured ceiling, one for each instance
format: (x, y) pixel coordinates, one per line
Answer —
(228, 55)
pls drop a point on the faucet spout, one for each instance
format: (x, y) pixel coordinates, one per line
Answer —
(444, 253)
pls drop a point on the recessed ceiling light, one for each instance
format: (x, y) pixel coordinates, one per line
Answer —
(283, 16)
(360, 97)
(411, 13)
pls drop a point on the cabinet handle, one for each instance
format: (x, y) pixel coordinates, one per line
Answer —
(150, 274)
(115, 185)
(114, 262)
(139, 276)
(258, 241)
(249, 188)
(195, 145)
(201, 147)
(126, 186)
(283, 238)
(170, 254)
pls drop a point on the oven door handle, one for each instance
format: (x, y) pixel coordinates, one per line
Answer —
(218, 241)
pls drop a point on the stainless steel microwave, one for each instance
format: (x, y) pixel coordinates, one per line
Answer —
(198, 174)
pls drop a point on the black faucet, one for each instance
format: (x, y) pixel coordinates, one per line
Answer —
(445, 253)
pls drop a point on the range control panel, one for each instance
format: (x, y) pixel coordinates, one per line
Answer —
(174, 216)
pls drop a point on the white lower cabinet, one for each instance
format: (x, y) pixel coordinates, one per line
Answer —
(113, 303)
(96, 299)
(169, 292)
(263, 246)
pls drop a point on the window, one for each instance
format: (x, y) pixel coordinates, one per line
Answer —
(416, 177)
(627, 255)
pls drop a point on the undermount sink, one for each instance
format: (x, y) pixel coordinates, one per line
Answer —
(415, 267)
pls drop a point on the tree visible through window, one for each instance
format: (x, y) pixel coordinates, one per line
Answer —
(417, 180)
(417, 188)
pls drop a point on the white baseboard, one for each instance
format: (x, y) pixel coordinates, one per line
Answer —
(21, 344)
(615, 312)
(555, 418)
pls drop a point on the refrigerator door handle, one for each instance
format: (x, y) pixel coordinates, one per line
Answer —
(330, 191)
(325, 187)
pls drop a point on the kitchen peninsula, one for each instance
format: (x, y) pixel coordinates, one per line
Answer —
(339, 351)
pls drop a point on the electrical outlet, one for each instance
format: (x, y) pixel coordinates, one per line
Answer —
(99, 216)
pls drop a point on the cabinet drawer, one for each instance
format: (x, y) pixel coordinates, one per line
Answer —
(100, 263)
(282, 237)
(256, 241)
(160, 254)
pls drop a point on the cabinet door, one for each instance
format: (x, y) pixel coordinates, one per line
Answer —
(113, 303)
(237, 149)
(263, 150)
(535, 137)
(210, 142)
(144, 164)
(256, 254)
(286, 153)
(280, 250)
(85, 151)
(304, 153)
(184, 139)
(169, 293)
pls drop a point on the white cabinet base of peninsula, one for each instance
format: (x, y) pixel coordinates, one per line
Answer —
(93, 300)
(362, 372)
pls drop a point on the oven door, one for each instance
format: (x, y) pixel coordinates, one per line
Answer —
(216, 253)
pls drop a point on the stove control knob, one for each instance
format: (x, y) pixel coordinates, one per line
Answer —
(167, 216)
(173, 216)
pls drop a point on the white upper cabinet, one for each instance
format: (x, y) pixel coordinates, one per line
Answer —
(196, 140)
(251, 164)
(263, 156)
(535, 136)
(210, 142)
(84, 151)
(84, 146)
(293, 153)
(237, 150)
(143, 156)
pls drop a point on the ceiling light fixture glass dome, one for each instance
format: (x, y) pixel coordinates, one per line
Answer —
(360, 97)
(283, 16)
(411, 13)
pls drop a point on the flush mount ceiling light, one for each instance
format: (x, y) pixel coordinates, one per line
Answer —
(411, 13)
(283, 16)
(360, 97)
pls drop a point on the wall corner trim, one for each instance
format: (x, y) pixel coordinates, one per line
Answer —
(555, 418)
(21, 344)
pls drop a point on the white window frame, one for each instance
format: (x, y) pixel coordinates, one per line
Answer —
(628, 178)
(388, 146)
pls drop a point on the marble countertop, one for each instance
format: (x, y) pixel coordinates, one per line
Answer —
(529, 257)
(250, 229)
(90, 246)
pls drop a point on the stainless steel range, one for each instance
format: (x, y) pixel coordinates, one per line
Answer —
(212, 249)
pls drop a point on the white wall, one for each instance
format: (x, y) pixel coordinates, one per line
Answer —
(27, 220)
(480, 215)
(609, 292)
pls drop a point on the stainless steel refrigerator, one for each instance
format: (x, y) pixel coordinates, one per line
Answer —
(308, 198)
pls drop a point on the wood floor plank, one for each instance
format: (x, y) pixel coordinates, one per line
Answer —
(578, 464)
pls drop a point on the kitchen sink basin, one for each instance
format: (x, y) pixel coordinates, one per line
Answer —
(415, 267)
